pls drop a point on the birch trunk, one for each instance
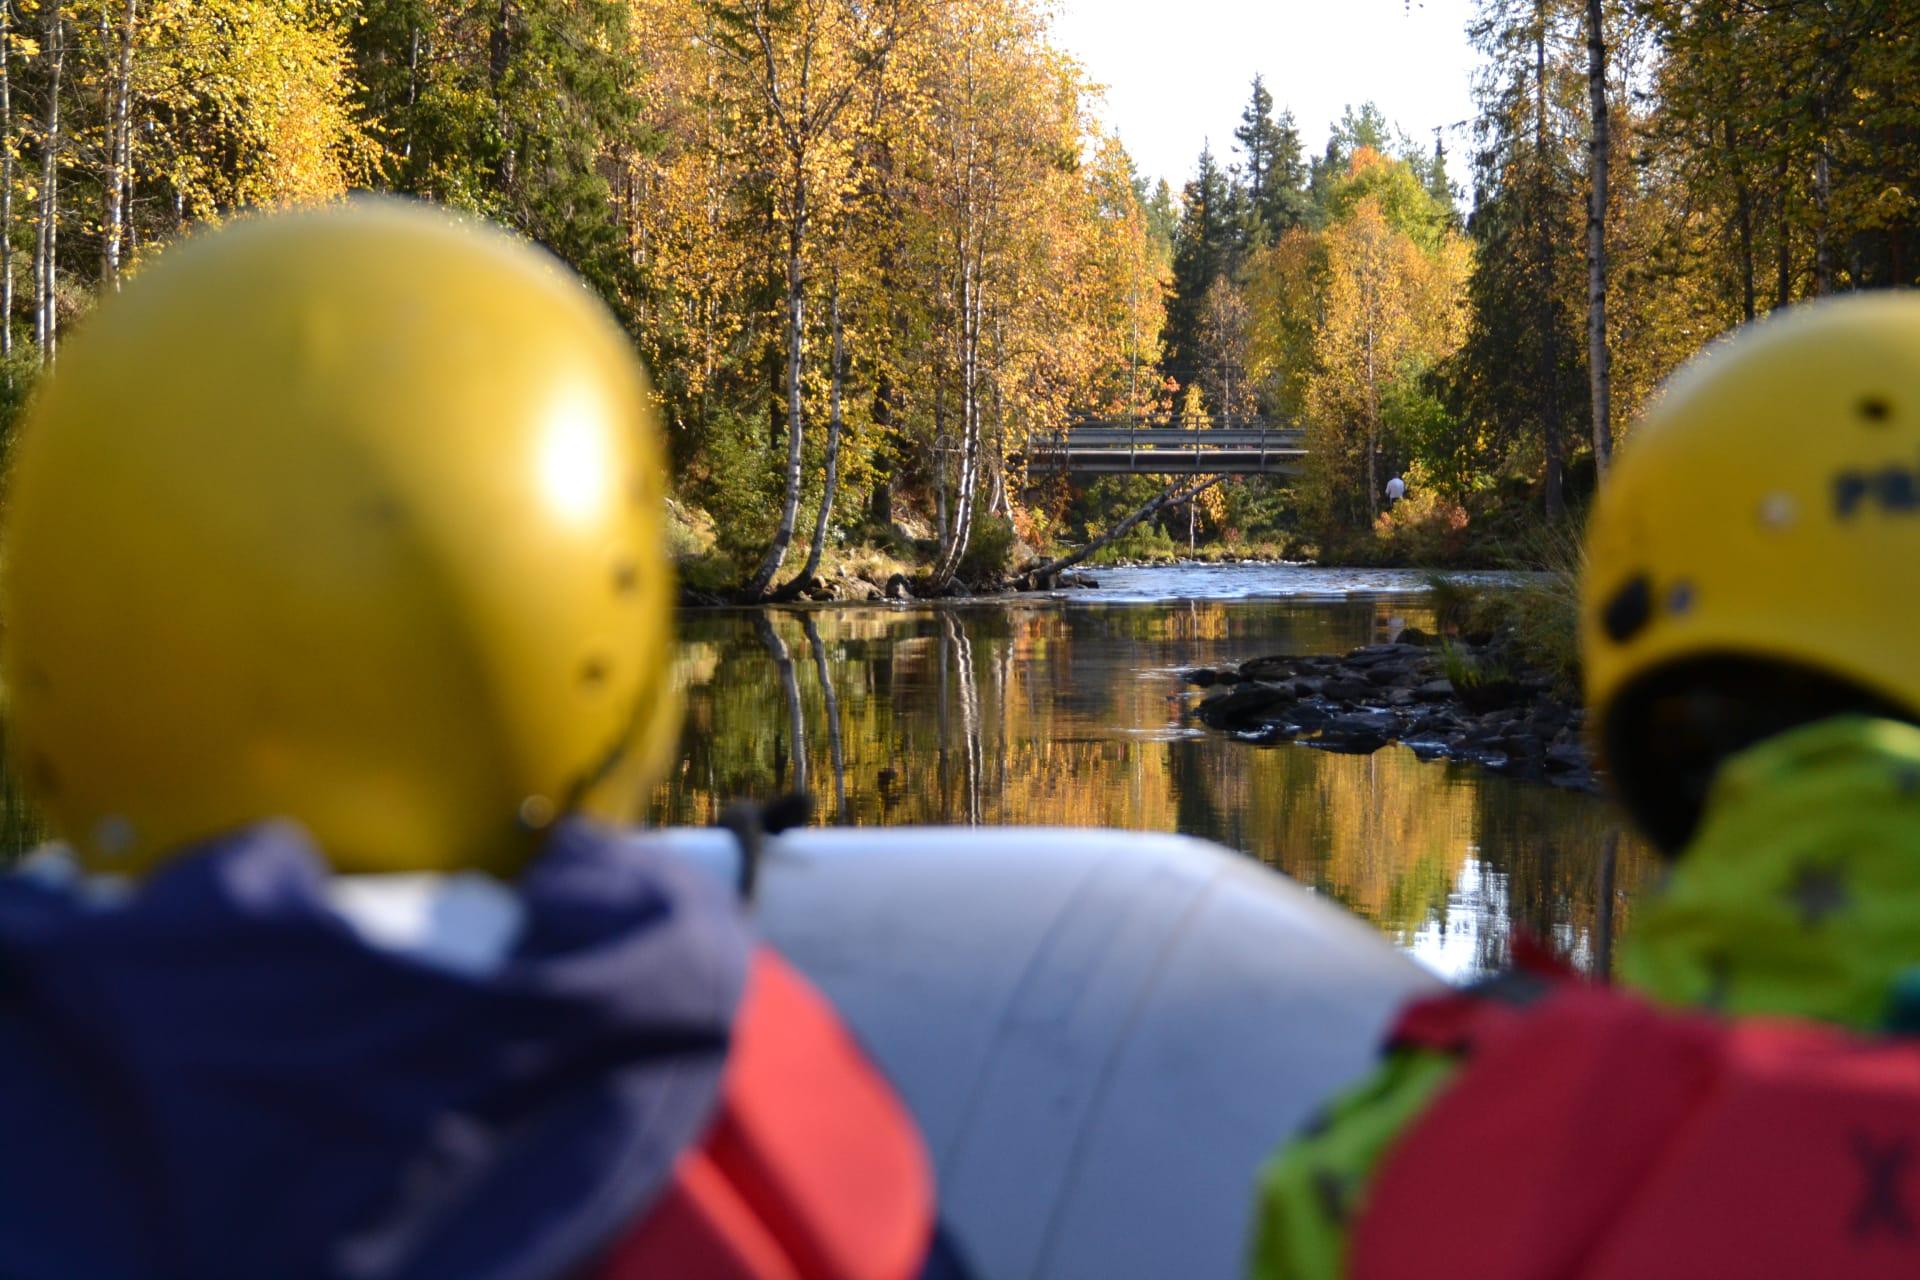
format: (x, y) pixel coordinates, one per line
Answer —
(6, 178)
(1599, 359)
(796, 350)
(954, 547)
(119, 149)
(835, 421)
(47, 245)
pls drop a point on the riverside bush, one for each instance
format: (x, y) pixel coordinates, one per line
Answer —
(990, 549)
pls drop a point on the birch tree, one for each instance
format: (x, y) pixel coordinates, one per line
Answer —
(805, 59)
(46, 240)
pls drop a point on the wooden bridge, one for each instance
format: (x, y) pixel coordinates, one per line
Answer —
(1119, 446)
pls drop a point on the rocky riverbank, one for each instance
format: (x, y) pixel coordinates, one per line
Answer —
(846, 587)
(1469, 703)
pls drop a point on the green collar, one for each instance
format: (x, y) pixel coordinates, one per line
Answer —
(1801, 893)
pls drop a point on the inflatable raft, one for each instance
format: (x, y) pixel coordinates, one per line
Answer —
(1102, 1034)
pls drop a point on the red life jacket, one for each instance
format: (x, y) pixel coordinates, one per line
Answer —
(811, 1170)
(1590, 1134)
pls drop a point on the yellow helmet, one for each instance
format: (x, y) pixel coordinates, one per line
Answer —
(351, 516)
(1764, 511)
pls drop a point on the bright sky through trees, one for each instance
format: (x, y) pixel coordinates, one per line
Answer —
(1177, 75)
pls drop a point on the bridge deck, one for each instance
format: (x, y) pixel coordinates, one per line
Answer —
(1107, 448)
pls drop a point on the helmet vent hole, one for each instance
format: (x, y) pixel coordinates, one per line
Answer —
(45, 778)
(626, 578)
(1876, 409)
(593, 672)
(1628, 613)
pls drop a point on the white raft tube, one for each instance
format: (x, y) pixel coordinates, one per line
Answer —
(1102, 1034)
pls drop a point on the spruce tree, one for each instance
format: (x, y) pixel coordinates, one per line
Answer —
(1206, 247)
(1522, 372)
(1275, 172)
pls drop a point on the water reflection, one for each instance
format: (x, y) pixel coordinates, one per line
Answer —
(1070, 712)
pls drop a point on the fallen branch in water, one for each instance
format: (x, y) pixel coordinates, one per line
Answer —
(1041, 576)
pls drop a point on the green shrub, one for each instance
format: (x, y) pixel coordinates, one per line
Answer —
(989, 555)
(739, 483)
(1466, 673)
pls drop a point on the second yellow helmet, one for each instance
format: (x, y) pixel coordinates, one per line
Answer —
(1767, 510)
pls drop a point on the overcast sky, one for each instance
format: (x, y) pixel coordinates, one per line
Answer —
(1177, 71)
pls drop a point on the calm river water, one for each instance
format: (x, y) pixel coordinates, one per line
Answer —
(1070, 710)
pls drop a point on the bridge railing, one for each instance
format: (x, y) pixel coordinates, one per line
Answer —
(1254, 446)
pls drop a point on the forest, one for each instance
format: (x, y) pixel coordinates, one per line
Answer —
(869, 249)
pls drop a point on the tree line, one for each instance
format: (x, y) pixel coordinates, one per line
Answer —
(1646, 176)
(865, 246)
(869, 248)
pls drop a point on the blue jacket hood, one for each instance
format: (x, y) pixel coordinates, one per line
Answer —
(217, 1074)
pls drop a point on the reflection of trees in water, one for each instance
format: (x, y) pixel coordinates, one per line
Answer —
(1556, 866)
(1056, 715)
(832, 716)
(955, 646)
(796, 718)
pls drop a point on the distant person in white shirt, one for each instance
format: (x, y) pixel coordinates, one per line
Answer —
(1396, 490)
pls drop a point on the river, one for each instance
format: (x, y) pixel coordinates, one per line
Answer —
(1068, 709)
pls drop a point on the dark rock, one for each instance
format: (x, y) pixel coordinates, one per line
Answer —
(1361, 733)
(1304, 717)
(1491, 695)
(898, 588)
(1433, 724)
(1566, 757)
(1547, 719)
(1414, 636)
(1240, 707)
(1076, 581)
(1515, 726)
(1271, 669)
(1375, 653)
(1202, 677)
(1347, 689)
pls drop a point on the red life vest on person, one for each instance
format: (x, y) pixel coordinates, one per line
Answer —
(1590, 1134)
(811, 1169)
